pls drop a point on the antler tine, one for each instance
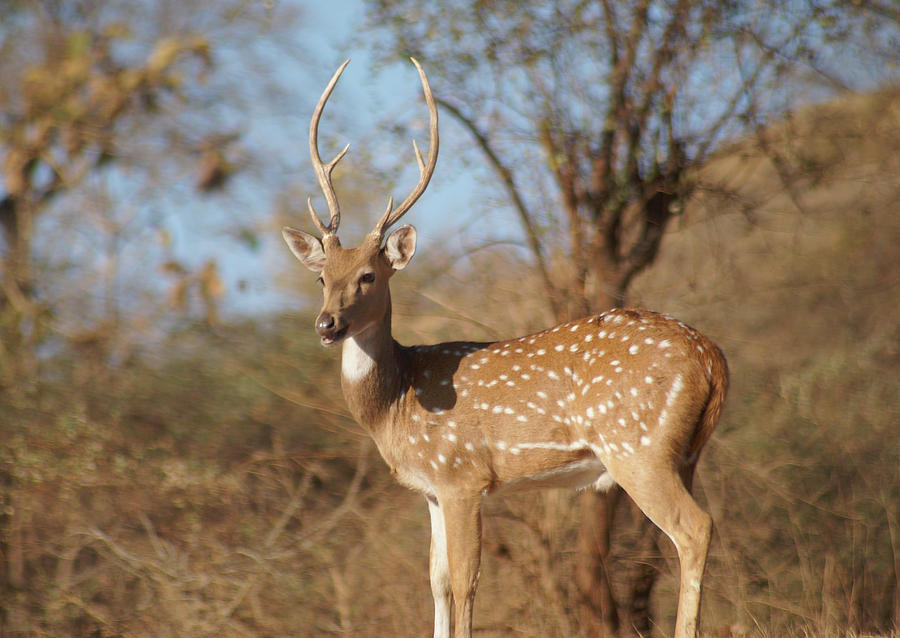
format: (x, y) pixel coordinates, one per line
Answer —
(323, 171)
(390, 216)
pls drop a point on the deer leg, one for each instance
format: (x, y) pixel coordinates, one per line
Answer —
(462, 522)
(691, 538)
(670, 506)
(439, 570)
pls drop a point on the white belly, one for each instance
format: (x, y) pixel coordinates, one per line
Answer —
(579, 474)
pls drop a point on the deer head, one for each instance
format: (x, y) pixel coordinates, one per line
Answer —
(355, 280)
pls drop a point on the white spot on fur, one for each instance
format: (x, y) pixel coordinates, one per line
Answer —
(552, 445)
(671, 397)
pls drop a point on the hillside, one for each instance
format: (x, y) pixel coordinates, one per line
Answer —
(789, 258)
(800, 225)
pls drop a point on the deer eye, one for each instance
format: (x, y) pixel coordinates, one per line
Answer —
(367, 278)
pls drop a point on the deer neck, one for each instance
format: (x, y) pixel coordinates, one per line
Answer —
(371, 373)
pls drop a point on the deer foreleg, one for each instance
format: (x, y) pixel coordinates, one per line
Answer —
(462, 522)
(439, 571)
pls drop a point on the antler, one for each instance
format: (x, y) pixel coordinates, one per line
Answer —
(391, 215)
(323, 171)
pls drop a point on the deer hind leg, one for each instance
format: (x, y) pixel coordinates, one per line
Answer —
(439, 570)
(666, 501)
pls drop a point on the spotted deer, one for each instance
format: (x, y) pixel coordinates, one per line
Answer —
(626, 396)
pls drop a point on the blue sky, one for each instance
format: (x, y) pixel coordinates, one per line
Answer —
(365, 102)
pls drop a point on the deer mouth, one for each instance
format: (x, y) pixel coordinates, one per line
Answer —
(334, 336)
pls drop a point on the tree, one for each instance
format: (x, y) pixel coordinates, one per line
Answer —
(63, 115)
(595, 117)
(116, 118)
(96, 97)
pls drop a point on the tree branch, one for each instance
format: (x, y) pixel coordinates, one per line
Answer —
(525, 216)
(604, 165)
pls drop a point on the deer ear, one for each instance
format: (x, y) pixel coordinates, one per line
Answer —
(307, 248)
(400, 246)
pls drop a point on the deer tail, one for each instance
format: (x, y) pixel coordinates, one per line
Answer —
(717, 375)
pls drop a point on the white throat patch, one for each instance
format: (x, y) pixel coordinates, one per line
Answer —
(356, 363)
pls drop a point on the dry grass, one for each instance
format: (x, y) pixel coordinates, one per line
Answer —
(224, 492)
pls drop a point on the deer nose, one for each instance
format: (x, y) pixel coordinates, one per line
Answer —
(324, 323)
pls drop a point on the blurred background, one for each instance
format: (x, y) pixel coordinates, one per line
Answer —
(175, 454)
